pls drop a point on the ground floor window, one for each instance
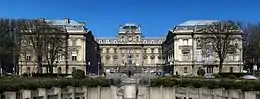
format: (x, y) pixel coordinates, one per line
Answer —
(231, 69)
(210, 69)
(28, 70)
(59, 70)
(185, 70)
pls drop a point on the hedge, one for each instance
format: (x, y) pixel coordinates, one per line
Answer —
(246, 85)
(15, 84)
(49, 75)
(227, 75)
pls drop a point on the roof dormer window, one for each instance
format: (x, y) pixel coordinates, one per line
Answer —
(145, 41)
(100, 41)
(107, 41)
(115, 41)
(152, 41)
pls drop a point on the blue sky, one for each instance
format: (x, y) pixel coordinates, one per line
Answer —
(156, 17)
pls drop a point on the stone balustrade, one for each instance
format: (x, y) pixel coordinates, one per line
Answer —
(144, 92)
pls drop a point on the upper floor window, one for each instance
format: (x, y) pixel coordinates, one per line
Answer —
(107, 50)
(28, 58)
(186, 56)
(152, 57)
(137, 38)
(152, 50)
(159, 50)
(115, 50)
(74, 56)
(185, 41)
(74, 42)
(145, 50)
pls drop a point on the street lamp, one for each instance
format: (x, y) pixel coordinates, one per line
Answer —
(98, 68)
(89, 65)
(254, 69)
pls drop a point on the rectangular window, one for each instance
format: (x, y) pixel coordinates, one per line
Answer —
(185, 42)
(185, 70)
(60, 57)
(74, 42)
(152, 50)
(186, 56)
(159, 50)
(115, 62)
(115, 50)
(28, 58)
(107, 50)
(231, 57)
(74, 56)
(231, 69)
(210, 69)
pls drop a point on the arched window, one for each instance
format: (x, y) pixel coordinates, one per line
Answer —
(152, 41)
(159, 41)
(145, 56)
(145, 41)
(152, 57)
(115, 57)
(107, 57)
(115, 41)
(100, 41)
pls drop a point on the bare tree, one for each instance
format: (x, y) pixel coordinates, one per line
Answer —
(43, 39)
(55, 48)
(219, 38)
(252, 43)
(8, 43)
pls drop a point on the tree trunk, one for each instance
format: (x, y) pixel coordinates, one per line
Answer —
(39, 62)
(220, 65)
(50, 68)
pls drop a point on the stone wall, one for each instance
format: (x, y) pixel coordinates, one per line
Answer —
(144, 92)
(63, 93)
(194, 93)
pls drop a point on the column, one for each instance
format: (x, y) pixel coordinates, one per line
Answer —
(141, 56)
(99, 92)
(85, 92)
(10, 95)
(72, 91)
(42, 92)
(193, 54)
(119, 59)
(161, 92)
(187, 93)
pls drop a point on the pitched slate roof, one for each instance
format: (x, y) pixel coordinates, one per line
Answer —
(197, 22)
(63, 22)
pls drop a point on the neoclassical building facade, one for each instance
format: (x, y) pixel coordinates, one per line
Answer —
(130, 49)
(183, 52)
(82, 51)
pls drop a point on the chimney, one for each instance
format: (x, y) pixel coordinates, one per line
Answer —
(67, 20)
